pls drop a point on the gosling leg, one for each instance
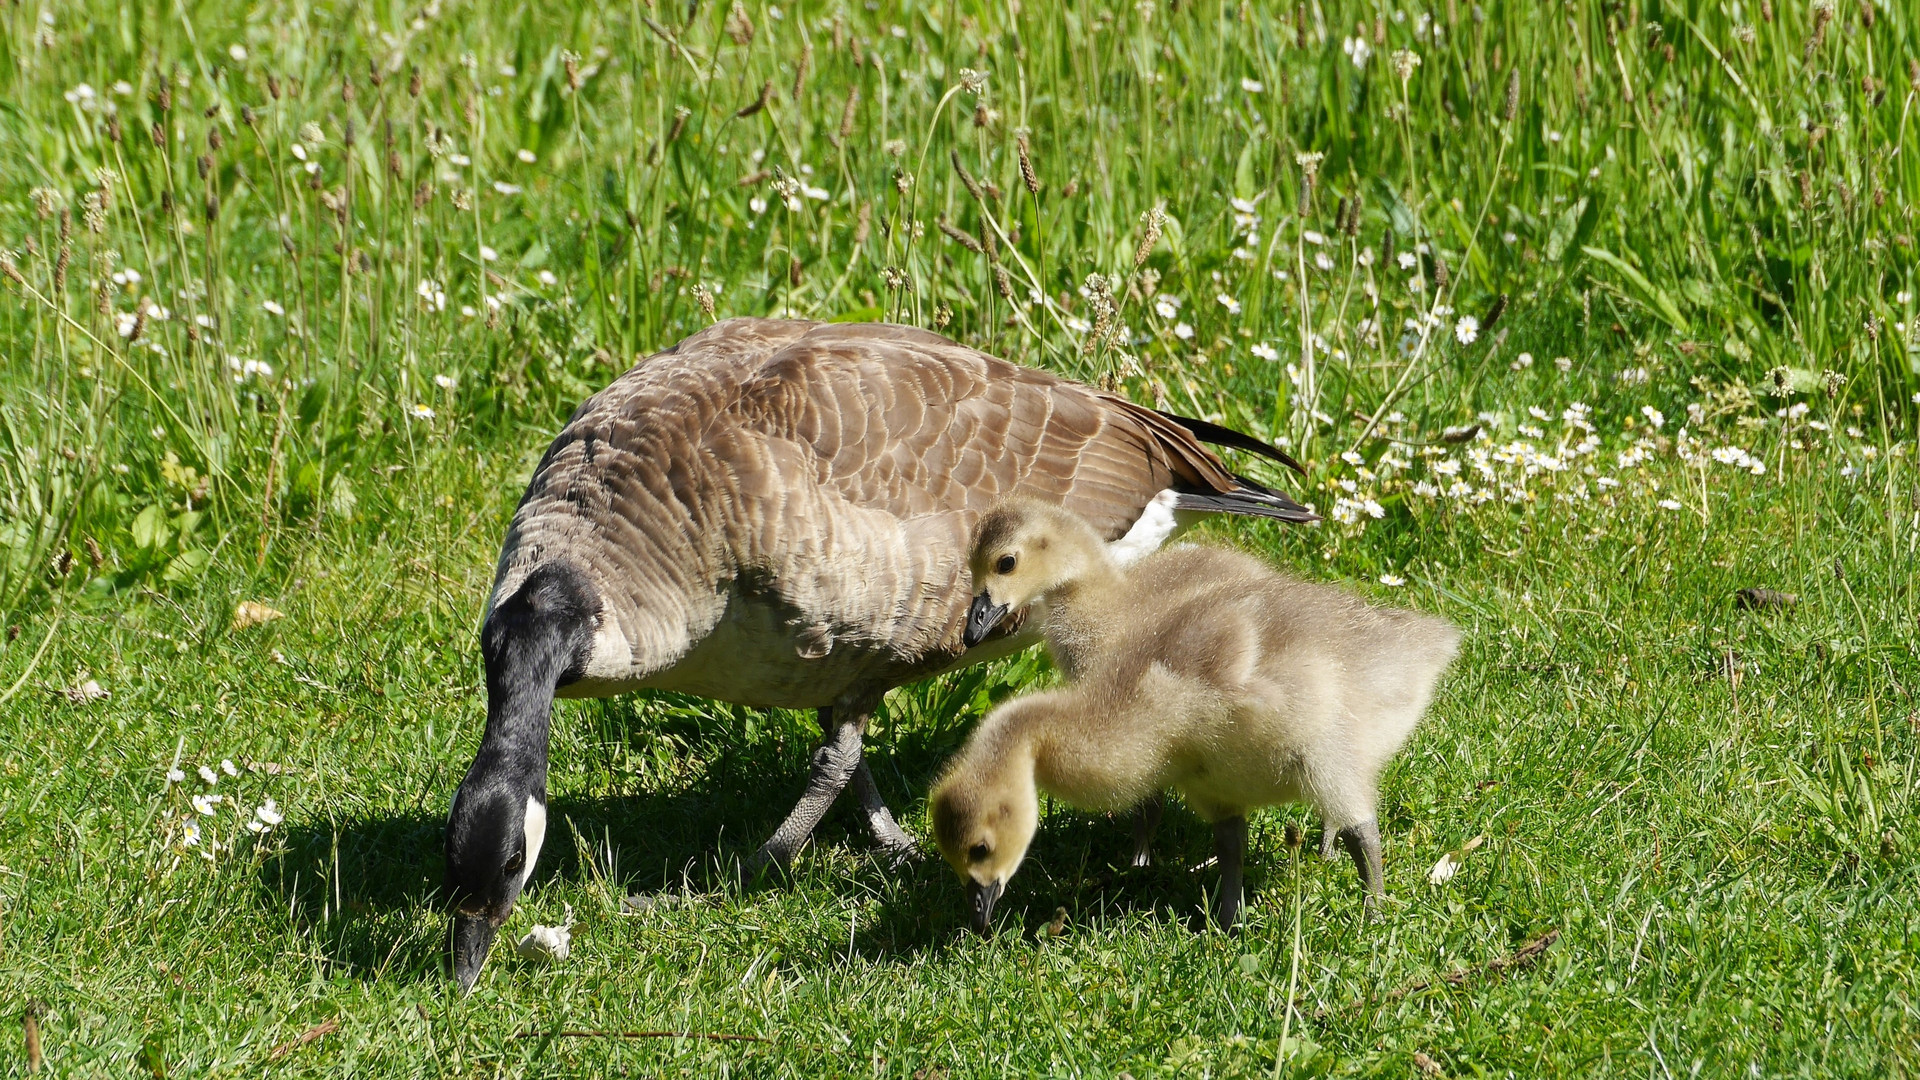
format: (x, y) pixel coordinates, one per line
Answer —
(1230, 850)
(1329, 845)
(835, 761)
(894, 841)
(1362, 841)
(1146, 819)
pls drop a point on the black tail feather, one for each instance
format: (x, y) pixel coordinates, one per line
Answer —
(1247, 503)
(1209, 432)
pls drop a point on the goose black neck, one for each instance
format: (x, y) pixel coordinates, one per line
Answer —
(534, 641)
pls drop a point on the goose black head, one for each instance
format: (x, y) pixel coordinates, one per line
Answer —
(534, 641)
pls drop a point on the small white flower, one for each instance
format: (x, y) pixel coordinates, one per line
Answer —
(1669, 504)
(226, 766)
(1266, 352)
(1903, 297)
(1426, 489)
(444, 382)
(505, 188)
(238, 52)
(818, 194)
(757, 204)
(299, 152)
(268, 814)
(1183, 331)
(205, 804)
(421, 411)
(545, 277)
(272, 308)
(1407, 260)
(1253, 86)
(1466, 330)
(209, 776)
(1312, 237)
(1522, 362)
(175, 776)
(461, 160)
(190, 832)
(1654, 416)
(526, 156)
(487, 254)
(1563, 363)
(1322, 260)
(122, 88)
(1228, 302)
(1373, 509)
(1392, 581)
(1509, 238)
(1166, 306)
(1357, 50)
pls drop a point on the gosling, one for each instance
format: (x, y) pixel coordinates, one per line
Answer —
(1198, 669)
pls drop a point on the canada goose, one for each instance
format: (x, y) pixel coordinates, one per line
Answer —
(1197, 668)
(776, 513)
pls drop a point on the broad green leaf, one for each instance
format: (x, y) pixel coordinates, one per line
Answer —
(150, 528)
(1561, 235)
(1653, 297)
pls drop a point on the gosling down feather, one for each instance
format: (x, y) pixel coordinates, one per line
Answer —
(777, 513)
(1197, 669)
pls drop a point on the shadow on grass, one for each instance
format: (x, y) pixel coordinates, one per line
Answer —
(367, 889)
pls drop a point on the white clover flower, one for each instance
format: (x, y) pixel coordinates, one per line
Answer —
(1392, 581)
(1466, 330)
(1654, 416)
(1180, 330)
(421, 411)
(1265, 352)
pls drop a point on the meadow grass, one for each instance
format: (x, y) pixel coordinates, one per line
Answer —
(1585, 317)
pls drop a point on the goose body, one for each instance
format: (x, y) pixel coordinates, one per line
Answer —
(1197, 669)
(777, 513)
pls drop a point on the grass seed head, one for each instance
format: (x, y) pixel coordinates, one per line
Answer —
(1151, 222)
(801, 68)
(1510, 107)
(847, 114)
(739, 25)
(1027, 175)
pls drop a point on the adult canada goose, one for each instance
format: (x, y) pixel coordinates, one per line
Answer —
(776, 513)
(1196, 668)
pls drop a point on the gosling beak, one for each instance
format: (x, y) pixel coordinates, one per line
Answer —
(981, 899)
(982, 617)
(472, 934)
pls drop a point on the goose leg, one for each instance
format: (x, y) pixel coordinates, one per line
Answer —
(894, 840)
(1362, 841)
(834, 763)
(1230, 850)
(1146, 819)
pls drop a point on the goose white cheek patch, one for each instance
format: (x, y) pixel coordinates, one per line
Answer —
(536, 830)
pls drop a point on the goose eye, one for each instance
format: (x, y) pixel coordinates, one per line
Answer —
(979, 852)
(1004, 565)
(519, 859)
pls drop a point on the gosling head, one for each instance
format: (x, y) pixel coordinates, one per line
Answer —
(1022, 551)
(983, 829)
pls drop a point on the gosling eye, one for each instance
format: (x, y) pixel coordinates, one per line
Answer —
(1004, 565)
(979, 852)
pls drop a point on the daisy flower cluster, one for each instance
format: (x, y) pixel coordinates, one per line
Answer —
(213, 822)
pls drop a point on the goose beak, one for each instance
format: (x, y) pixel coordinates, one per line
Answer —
(982, 617)
(472, 934)
(981, 899)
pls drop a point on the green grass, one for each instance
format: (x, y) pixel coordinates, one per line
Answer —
(1690, 206)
